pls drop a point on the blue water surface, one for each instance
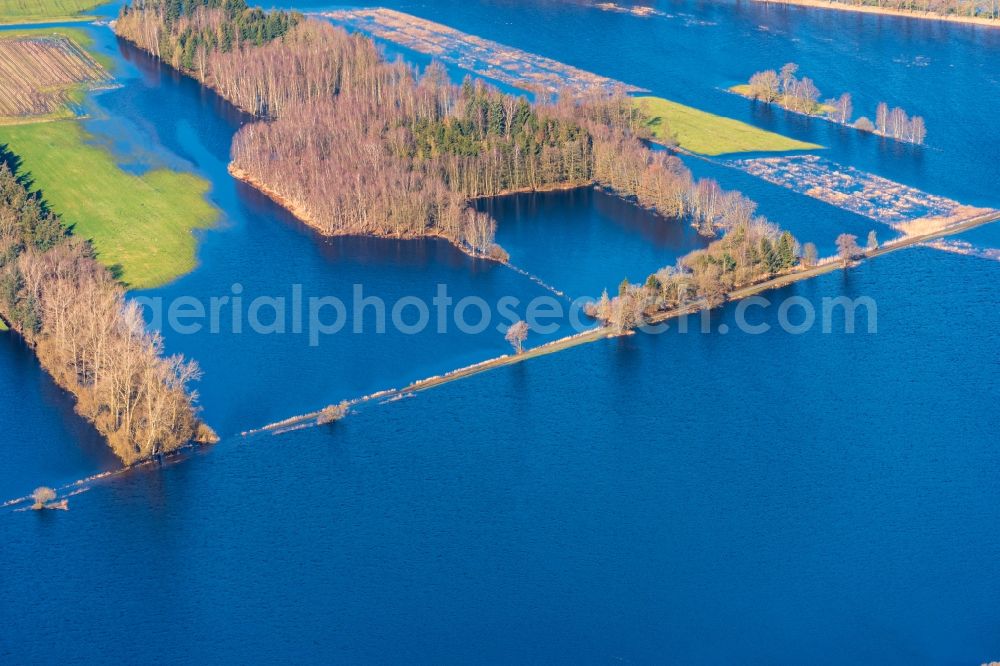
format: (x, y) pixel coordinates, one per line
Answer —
(684, 497)
(698, 498)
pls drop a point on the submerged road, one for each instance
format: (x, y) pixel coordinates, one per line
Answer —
(313, 419)
(603, 332)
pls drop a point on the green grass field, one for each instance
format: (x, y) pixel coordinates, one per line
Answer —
(140, 225)
(708, 134)
(78, 35)
(44, 11)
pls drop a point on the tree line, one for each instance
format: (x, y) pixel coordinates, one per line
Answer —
(174, 35)
(356, 144)
(93, 342)
(750, 252)
(801, 95)
(989, 9)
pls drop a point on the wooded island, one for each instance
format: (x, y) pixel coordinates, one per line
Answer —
(354, 144)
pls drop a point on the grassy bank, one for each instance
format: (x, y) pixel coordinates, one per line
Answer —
(44, 11)
(708, 134)
(140, 225)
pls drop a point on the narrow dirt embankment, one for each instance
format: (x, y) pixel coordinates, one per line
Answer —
(80, 486)
(602, 332)
(313, 419)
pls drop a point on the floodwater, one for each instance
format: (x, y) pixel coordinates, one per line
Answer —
(692, 497)
(944, 72)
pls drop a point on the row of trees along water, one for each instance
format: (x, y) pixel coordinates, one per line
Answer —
(988, 9)
(92, 341)
(750, 253)
(801, 95)
(358, 145)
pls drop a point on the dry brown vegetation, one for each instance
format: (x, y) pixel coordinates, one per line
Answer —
(91, 340)
(510, 65)
(905, 208)
(357, 145)
(985, 12)
(37, 74)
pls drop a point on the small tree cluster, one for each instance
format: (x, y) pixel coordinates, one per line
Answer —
(896, 124)
(800, 95)
(785, 88)
(332, 413)
(747, 254)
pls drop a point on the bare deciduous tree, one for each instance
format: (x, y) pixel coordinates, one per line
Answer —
(844, 109)
(847, 248)
(872, 240)
(809, 254)
(765, 86)
(787, 75)
(42, 496)
(516, 335)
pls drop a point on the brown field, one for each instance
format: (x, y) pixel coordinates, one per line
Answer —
(38, 75)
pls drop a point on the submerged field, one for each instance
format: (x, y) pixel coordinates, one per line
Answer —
(906, 209)
(41, 75)
(708, 134)
(37, 11)
(521, 69)
(140, 225)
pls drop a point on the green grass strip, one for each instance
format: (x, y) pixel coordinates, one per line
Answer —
(708, 134)
(44, 11)
(140, 225)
